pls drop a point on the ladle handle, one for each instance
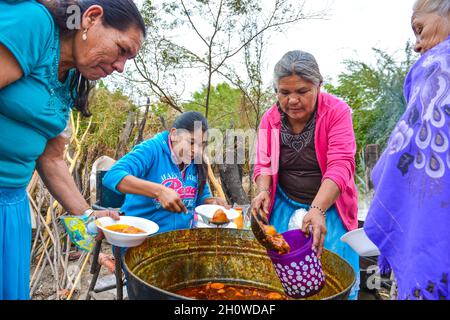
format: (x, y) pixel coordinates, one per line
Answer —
(261, 216)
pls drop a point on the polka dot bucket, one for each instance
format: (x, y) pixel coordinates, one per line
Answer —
(300, 271)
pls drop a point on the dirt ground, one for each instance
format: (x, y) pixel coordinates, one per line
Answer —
(46, 290)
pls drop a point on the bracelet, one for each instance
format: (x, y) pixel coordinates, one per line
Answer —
(265, 190)
(323, 212)
(88, 215)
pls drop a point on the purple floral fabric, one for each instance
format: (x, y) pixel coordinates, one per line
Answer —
(409, 219)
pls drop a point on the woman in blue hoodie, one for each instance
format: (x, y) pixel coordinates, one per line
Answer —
(164, 178)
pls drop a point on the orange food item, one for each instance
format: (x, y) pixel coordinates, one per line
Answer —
(282, 247)
(270, 230)
(124, 228)
(274, 296)
(217, 286)
(220, 217)
(277, 240)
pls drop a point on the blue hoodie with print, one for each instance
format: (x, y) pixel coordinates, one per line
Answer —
(152, 160)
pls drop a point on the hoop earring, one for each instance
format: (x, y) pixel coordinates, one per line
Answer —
(84, 36)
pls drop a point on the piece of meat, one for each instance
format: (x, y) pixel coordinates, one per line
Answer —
(281, 246)
(276, 240)
(274, 296)
(124, 228)
(133, 230)
(217, 286)
(220, 217)
(270, 230)
(266, 234)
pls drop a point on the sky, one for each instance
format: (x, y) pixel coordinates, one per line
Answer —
(351, 30)
(354, 27)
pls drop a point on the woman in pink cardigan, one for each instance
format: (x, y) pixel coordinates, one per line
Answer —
(305, 158)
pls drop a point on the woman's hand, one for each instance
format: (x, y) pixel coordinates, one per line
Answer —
(106, 213)
(316, 220)
(217, 201)
(262, 202)
(170, 200)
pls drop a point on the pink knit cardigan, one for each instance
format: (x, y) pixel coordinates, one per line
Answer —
(335, 149)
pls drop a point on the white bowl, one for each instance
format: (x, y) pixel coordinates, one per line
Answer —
(123, 239)
(202, 224)
(207, 212)
(358, 240)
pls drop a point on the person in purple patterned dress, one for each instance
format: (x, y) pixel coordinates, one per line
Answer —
(409, 217)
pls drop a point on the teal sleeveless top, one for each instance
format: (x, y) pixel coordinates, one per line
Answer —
(36, 107)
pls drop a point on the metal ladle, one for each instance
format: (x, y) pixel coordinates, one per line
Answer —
(257, 221)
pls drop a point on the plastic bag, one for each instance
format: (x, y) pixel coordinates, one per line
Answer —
(80, 231)
(296, 221)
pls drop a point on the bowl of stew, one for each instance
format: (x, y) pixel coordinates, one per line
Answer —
(128, 231)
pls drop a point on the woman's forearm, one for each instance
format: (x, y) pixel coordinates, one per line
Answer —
(327, 195)
(56, 176)
(263, 183)
(133, 185)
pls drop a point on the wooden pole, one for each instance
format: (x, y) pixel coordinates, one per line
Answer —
(213, 179)
(79, 276)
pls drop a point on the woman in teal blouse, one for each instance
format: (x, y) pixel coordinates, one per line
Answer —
(46, 70)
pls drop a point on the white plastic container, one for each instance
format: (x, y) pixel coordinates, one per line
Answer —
(358, 240)
(123, 239)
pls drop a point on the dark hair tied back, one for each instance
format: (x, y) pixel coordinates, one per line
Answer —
(187, 122)
(118, 14)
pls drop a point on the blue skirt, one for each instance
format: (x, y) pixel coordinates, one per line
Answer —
(15, 244)
(282, 212)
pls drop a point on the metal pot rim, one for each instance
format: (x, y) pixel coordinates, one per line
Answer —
(159, 290)
(176, 296)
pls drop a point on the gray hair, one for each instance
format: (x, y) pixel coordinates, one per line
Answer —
(441, 7)
(297, 63)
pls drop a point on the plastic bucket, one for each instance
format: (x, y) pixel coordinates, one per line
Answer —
(299, 271)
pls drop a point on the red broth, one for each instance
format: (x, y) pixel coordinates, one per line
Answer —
(220, 291)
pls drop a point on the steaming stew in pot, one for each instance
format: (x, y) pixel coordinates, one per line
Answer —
(220, 291)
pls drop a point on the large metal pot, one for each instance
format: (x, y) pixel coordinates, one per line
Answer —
(175, 260)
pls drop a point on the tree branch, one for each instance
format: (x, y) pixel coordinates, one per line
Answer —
(186, 12)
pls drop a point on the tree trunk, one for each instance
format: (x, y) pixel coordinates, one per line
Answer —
(125, 136)
(231, 177)
(140, 136)
(371, 156)
(208, 93)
